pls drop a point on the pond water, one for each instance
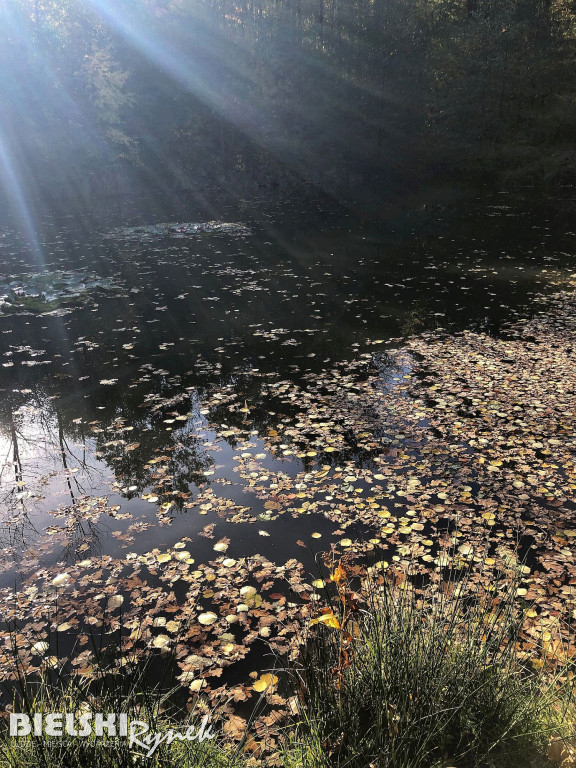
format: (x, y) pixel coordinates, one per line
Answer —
(95, 397)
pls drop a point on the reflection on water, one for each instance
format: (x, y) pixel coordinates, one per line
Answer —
(122, 421)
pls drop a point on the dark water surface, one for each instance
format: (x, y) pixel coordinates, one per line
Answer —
(90, 397)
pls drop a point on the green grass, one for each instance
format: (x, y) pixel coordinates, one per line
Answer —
(127, 691)
(392, 678)
(431, 679)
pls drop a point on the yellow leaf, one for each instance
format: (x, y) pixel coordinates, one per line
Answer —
(338, 575)
(328, 619)
(264, 682)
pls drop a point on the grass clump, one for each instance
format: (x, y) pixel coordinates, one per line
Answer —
(129, 691)
(422, 678)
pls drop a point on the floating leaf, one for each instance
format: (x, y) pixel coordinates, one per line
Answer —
(115, 602)
(207, 618)
(40, 648)
(264, 682)
(60, 580)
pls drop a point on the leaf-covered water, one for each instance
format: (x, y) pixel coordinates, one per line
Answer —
(224, 415)
(89, 399)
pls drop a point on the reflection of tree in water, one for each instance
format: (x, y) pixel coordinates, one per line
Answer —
(18, 527)
(38, 452)
(183, 455)
(68, 435)
(269, 411)
(416, 319)
(135, 438)
(151, 438)
(83, 537)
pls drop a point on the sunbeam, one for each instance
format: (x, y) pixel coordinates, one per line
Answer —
(15, 194)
